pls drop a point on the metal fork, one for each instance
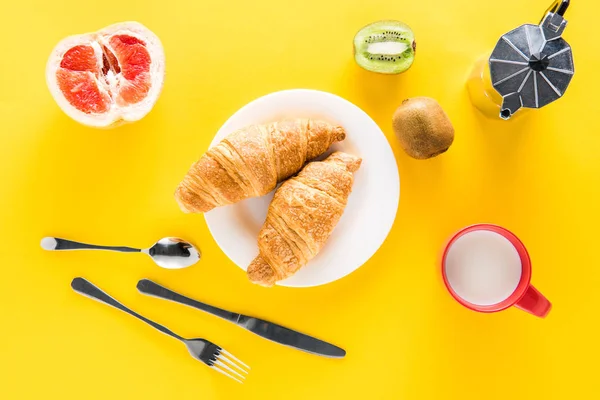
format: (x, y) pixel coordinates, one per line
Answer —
(201, 349)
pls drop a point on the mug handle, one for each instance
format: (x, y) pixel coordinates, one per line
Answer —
(534, 303)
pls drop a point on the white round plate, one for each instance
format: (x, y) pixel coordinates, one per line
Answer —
(371, 208)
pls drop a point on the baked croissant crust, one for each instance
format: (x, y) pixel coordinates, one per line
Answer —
(302, 215)
(251, 161)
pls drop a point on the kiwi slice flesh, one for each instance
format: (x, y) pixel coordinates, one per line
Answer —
(387, 47)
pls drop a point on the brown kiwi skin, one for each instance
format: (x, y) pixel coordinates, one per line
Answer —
(423, 128)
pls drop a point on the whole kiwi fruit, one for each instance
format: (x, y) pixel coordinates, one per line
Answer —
(423, 128)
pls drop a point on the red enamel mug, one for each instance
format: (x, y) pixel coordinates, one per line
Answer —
(486, 268)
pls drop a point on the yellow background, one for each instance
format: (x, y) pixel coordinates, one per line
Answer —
(406, 338)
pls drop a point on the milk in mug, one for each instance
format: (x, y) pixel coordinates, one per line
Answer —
(483, 267)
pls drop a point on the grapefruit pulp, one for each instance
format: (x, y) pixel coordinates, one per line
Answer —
(107, 77)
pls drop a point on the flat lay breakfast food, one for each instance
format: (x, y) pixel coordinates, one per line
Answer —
(302, 215)
(362, 228)
(423, 128)
(107, 77)
(116, 74)
(386, 47)
(250, 162)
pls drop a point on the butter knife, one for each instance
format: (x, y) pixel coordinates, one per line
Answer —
(268, 330)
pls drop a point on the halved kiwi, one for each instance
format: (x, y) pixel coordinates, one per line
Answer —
(387, 47)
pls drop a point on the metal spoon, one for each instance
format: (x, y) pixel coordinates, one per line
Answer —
(170, 253)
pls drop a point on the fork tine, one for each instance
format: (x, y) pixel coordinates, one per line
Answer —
(226, 374)
(234, 357)
(224, 366)
(222, 357)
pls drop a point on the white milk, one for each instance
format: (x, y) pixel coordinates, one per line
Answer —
(483, 267)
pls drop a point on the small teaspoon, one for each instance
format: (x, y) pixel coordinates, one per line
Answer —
(170, 252)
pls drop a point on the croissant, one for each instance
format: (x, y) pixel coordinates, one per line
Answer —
(251, 161)
(302, 215)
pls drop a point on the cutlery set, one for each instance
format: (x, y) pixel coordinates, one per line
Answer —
(175, 253)
(268, 330)
(200, 349)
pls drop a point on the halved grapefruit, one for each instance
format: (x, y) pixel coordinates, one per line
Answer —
(103, 78)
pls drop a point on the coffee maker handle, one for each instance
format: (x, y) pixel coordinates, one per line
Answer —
(534, 303)
(557, 7)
